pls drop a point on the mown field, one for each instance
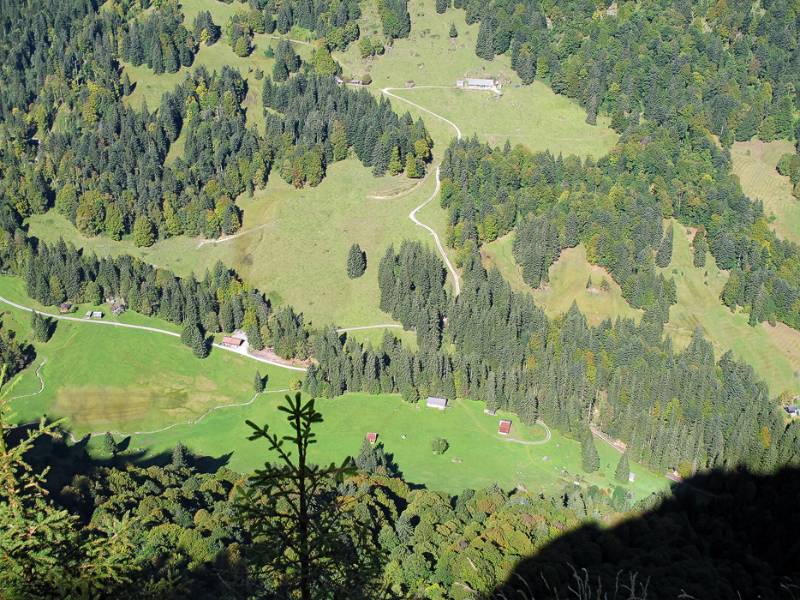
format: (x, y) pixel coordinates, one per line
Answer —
(478, 456)
(754, 162)
(149, 388)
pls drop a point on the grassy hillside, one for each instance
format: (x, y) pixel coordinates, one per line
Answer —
(754, 162)
(478, 456)
(568, 278)
(531, 115)
(772, 351)
(105, 378)
(150, 387)
(294, 243)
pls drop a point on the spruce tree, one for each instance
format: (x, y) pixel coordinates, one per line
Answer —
(453, 31)
(442, 6)
(664, 254)
(590, 459)
(258, 383)
(623, 468)
(193, 337)
(412, 167)
(356, 262)
(41, 326)
(110, 444)
(180, 456)
(485, 44)
(700, 248)
(395, 166)
(143, 232)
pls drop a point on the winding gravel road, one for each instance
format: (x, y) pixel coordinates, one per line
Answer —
(145, 328)
(413, 214)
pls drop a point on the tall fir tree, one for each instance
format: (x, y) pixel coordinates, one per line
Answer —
(700, 247)
(258, 383)
(590, 459)
(623, 470)
(356, 262)
(664, 253)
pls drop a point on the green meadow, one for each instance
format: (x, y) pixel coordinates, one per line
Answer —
(755, 164)
(568, 278)
(774, 352)
(150, 388)
(478, 456)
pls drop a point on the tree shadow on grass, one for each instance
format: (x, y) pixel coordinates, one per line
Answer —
(64, 459)
(720, 535)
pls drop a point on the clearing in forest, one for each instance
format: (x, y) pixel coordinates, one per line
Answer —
(772, 351)
(755, 163)
(568, 278)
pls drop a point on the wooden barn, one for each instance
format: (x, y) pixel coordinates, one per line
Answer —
(232, 342)
(436, 402)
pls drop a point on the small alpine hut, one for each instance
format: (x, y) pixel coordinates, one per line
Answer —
(505, 427)
(372, 437)
(230, 341)
(117, 308)
(65, 307)
(436, 402)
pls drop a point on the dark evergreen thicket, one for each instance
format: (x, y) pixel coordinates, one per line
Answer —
(555, 203)
(318, 121)
(688, 69)
(395, 19)
(161, 41)
(104, 164)
(219, 302)
(725, 66)
(615, 207)
(412, 291)
(334, 20)
(679, 410)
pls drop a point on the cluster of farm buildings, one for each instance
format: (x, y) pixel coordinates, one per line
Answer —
(439, 403)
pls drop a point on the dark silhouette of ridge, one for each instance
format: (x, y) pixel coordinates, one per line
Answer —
(720, 535)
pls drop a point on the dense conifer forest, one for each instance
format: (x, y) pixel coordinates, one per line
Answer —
(683, 411)
(680, 81)
(320, 120)
(708, 69)
(103, 164)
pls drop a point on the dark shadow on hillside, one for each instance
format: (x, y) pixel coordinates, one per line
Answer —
(65, 459)
(720, 535)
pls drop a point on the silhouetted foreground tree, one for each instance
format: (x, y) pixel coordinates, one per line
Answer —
(719, 535)
(44, 550)
(304, 539)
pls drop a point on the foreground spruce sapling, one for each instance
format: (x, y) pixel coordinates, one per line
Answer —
(258, 383)
(46, 551)
(304, 539)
